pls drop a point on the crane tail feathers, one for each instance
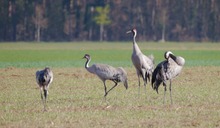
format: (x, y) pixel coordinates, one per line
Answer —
(154, 81)
(126, 84)
(151, 57)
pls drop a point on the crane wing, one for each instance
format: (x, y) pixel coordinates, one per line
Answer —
(104, 71)
(43, 78)
(148, 63)
(159, 75)
(136, 60)
(40, 78)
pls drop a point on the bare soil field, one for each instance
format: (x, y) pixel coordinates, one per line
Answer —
(76, 100)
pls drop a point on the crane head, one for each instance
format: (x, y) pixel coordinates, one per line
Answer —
(86, 56)
(47, 69)
(167, 54)
(133, 31)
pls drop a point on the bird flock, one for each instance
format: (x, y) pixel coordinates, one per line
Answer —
(165, 71)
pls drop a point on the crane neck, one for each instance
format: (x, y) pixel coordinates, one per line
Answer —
(179, 60)
(135, 46)
(134, 38)
(87, 63)
(90, 69)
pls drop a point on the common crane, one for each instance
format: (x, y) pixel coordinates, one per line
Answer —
(44, 78)
(167, 70)
(144, 65)
(107, 72)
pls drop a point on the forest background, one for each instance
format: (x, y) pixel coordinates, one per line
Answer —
(108, 20)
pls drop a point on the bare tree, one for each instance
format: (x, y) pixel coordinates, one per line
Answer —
(39, 20)
(162, 16)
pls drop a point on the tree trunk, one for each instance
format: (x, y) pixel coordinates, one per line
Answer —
(163, 33)
(101, 32)
(38, 33)
(164, 21)
(90, 33)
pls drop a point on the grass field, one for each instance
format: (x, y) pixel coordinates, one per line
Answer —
(76, 96)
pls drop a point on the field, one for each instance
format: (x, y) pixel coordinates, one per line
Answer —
(76, 96)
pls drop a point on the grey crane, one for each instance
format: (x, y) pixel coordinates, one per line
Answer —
(167, 70)
(44, 78)
(107, 72)
(144, 64)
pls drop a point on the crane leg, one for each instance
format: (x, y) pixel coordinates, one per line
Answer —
(165, 89)
(171, 93)
(145, 88)
(111, 88)
(105, 88)
(139, 85)
(144, 79)
(43, 98)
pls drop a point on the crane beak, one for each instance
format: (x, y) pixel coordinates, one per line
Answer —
(84, 57)
(128, 32)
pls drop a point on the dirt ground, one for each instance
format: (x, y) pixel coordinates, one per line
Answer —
(76, 100)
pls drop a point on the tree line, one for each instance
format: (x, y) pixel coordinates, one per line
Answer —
(108, 20)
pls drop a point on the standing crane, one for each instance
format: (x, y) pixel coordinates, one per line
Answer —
(107, 72)
(44, 78)
(144, 64)
(167, 70)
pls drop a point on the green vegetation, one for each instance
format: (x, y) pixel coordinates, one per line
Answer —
(76, 96)
(102, 19)
(117, 54)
